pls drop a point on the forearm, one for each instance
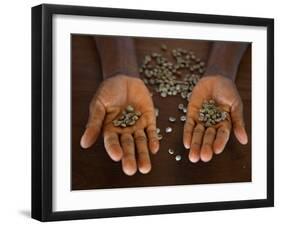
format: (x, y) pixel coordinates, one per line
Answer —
(118, 56)
(224, 59)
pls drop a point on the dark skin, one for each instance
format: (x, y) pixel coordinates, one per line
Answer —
(217, 84)
(122, 87)
(204, 142)
(132, 145)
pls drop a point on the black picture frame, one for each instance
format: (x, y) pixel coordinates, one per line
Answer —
(42, 111)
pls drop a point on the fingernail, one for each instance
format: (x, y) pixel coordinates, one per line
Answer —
(187, 146)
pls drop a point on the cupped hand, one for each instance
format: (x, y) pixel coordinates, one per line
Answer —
(131, 144)
(201, 141)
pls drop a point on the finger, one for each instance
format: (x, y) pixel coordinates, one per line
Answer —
(238, 123)
(222, 136)
(194, 154)
(112, 146)
(206, 153)
(187, 132)
(144, 164)
(94, 125)
(153, 141)
(129, 160)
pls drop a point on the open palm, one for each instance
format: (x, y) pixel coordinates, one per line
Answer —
(130, 144)
(203, 142)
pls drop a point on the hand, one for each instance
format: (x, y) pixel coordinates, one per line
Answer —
(131, 144)
(203, 142)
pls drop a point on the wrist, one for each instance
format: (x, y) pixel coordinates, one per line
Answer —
(218, 71)
(117, 72)
(216, 77)
(124, 76)
(225, 58)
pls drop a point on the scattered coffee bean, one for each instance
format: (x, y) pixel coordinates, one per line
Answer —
(183, 118)
(171, 151)
(163, 47)
(160, 137)
(168, 130)
(178, 158)
(181, 106)
(156, 112)
(172, 119)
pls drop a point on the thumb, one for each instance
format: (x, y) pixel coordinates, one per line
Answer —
(238, 122)
(94, 125)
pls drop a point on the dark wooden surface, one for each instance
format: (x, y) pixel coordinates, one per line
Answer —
(94, 169)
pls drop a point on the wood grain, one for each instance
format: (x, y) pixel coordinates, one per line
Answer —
(93, 169)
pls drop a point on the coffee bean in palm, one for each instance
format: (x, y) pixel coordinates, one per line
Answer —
(129, 108)
(129, 117)
(117, 122)
(210, 114)
(138, 113)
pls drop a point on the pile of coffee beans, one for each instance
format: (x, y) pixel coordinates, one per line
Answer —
(176, 76)
(210, 114)
(129, 117)
(172, 78)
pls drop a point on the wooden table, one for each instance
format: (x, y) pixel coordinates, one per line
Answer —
(93, 169)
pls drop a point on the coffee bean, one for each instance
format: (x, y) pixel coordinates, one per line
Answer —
(178, 158)
(123, 125)
(163, 47)
(172, 119)
(162, 74)
(138, 113)
(156, 110)
(171, 151)
(210, 114)
(129, 117)
(180, 106)
(183, 118)
(129, 108)
(168, 130)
